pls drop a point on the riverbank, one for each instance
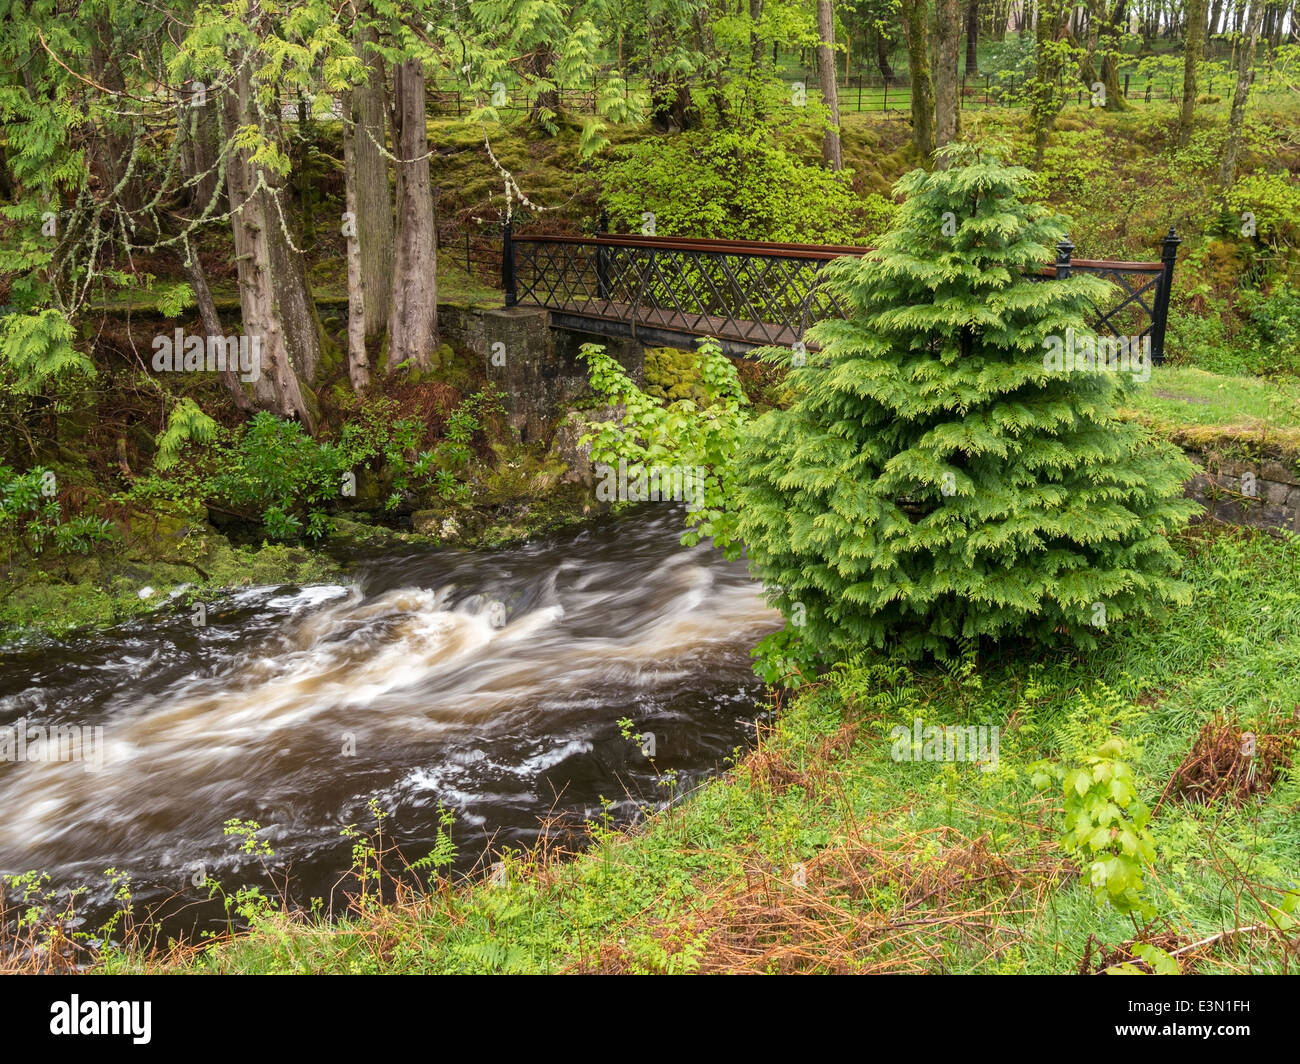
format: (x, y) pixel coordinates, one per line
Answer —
(1228, 424)
(819, 851)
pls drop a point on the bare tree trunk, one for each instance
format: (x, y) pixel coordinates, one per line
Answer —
(546, 104)
(916, 14)
(110, 151)
(1245, 76)
(1045, 104)
(882, 57)
(374, 199)
(212, 324)
(755, 41)
(253, 217)
(947, 80)
(1111, 31)
(831, 152)
(1191, 59)
(972, 38)
(203, 139)
(358, 359)
(413, 319)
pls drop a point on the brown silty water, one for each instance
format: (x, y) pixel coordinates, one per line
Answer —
(489, 684)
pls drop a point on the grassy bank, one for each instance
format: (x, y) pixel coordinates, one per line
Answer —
(820, 852)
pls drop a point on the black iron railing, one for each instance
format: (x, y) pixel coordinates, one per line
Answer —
(752, 294)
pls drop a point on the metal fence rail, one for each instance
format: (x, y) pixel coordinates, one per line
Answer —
(749, 294)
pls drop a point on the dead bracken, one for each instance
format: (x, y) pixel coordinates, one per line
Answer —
(1233, 763)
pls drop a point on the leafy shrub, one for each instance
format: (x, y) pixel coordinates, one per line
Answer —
(1106, 826)
(1011, 64)
(684, 433)
(933, 480)
(1275, 203)
(36, 348)
(742, 186)
(1275, 317)
(271, 471)
(31, 516)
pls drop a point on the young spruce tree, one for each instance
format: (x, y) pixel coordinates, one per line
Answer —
(933, 480)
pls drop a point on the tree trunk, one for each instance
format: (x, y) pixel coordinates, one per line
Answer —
(546, 104)
(256, 227)
(373, 211)
(413, 318)
(947, 79)
(916, 14)
(358, 359)
(1245, 76)
(1045, 103)
(671, 107)
(110, 147)
(831, 153)
(1111, 36)
(1191, 59)
(882, 57)
(212, 324)
(755, 41)
(972, 38)
(203, 139)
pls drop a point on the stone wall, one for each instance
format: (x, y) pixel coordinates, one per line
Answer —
(537, 367)
(1264, 493)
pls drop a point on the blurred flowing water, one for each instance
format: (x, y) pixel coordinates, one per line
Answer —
(489, 683)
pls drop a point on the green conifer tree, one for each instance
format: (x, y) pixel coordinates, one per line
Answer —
(934, 478)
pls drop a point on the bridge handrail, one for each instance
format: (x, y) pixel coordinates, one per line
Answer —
(1136, 293)
(775, 250)
(690, 243)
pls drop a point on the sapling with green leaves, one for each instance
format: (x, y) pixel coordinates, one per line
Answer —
(934, 479)
(686, 434)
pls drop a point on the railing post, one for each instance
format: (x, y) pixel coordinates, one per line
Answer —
(602, 260)
(1160, 314)
(1064, 248)
(508, 261)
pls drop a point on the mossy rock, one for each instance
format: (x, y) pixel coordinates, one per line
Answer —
(671, 374)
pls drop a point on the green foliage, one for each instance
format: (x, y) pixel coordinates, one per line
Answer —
(36, 350)
(270, 470)
(174, 299)
(1011, 65)
(1274, 200)
(934, 480)
(32, 517)
(728, 184)
(684, 434)
(1106, 826)
(187, 424)
(1275, 319)
(276, 470)
(783, 659)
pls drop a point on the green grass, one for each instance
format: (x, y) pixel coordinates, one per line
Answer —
(1198, 408)
(1197, 397)
(905, 866)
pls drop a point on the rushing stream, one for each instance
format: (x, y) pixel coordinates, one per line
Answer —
(488, 682)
